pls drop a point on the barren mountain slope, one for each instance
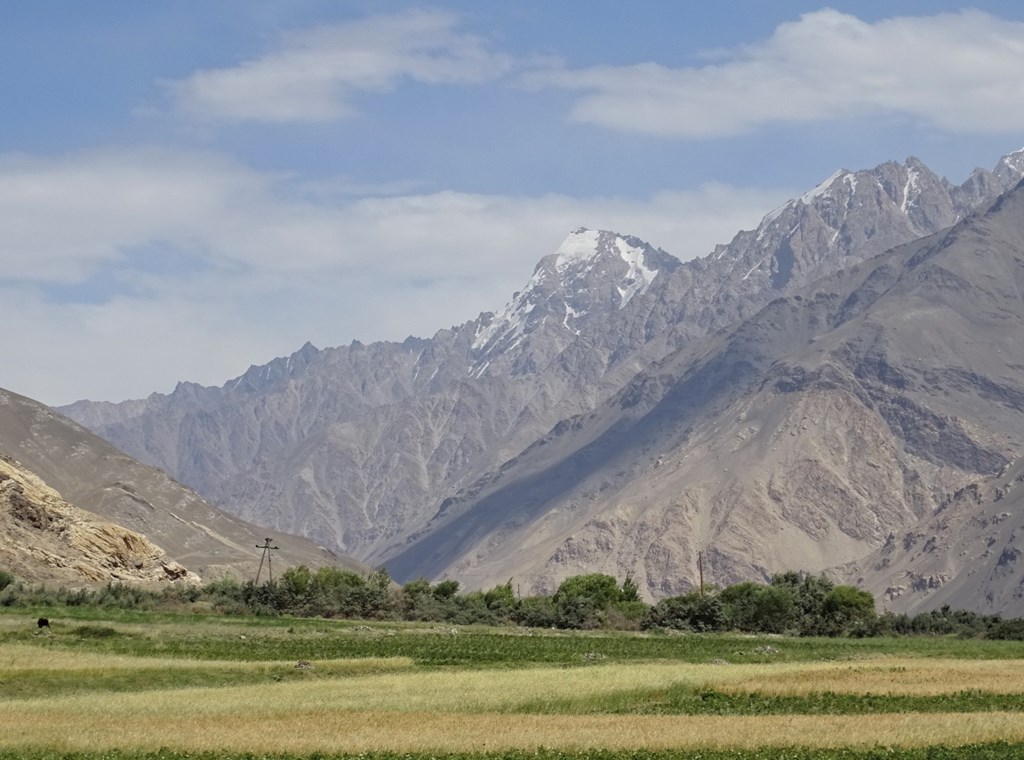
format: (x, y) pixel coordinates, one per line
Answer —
(93, 475)
(968, 554)
(357, 446)
(800, 439)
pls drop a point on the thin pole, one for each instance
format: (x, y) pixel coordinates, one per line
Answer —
(267, 548)
(700, 569)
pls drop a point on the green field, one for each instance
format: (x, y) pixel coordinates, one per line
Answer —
(119, 684)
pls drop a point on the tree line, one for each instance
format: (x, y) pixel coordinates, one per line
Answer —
(790, 603)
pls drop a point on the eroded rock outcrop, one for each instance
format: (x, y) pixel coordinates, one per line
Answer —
(49, 540)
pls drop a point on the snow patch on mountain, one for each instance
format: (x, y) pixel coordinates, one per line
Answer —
(821, 190)
(510, 321)
(639, 277)
(910, 187)
(1014, 161)
(581, 245)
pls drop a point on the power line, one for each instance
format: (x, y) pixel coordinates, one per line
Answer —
(267, 548)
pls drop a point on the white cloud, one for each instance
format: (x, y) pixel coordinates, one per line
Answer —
(958, 72)
(127, 271)
(315, 73)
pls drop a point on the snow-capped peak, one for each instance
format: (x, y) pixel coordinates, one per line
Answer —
(1014, 161)
(581, 245)
(561, 286)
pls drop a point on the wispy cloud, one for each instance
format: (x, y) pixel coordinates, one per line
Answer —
(138, 266)
(957, 72)
(315, 74)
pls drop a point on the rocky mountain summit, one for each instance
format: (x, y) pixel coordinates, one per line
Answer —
(395, 452)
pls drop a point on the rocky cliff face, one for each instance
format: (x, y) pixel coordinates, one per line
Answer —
(372, 448)
(966, 554)
(48, 540)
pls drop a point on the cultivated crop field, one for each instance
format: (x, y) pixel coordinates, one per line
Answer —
(132, 684)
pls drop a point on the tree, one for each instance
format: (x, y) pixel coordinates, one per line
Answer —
(809, 593)
(446, 589)
(848, 610)
(600, 589)
(581, 600)
(417, 601)
(418, 587)
(692, 612)
(347, 594)
(536, 612)
(297, 582)
(750, 606)
(630, 591)
(586, 601)
(501, 600)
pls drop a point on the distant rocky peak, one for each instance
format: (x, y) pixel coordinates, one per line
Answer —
(1010, 167)
(591, 271)
(845, 192)
(276, 371)
(632, 263)
(849, 216)
(827, 188)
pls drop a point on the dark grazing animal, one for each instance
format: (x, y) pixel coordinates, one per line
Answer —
(43, 623)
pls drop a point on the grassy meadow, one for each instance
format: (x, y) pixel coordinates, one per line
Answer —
(133, 684)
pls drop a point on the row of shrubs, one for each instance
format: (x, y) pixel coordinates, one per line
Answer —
(791, 603)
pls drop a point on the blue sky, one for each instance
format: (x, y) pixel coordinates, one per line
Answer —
(188, 188)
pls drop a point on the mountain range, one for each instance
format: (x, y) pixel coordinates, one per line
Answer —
(812, 395)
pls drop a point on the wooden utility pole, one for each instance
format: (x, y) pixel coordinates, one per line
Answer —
(267, 548)
(700, 570)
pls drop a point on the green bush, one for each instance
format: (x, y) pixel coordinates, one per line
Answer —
(690, 612)
(596, 601)
(848, 610)
(536, 612)
(1007, 629)
(753, 607)
(501, 600)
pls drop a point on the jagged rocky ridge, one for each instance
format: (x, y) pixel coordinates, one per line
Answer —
(367, 448)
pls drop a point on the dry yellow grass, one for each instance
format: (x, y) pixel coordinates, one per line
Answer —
(920, 677)
(462, 710)
(332, 730)
(23, 658)
(404, 691)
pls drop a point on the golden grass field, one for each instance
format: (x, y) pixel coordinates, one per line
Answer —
(367, 705)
